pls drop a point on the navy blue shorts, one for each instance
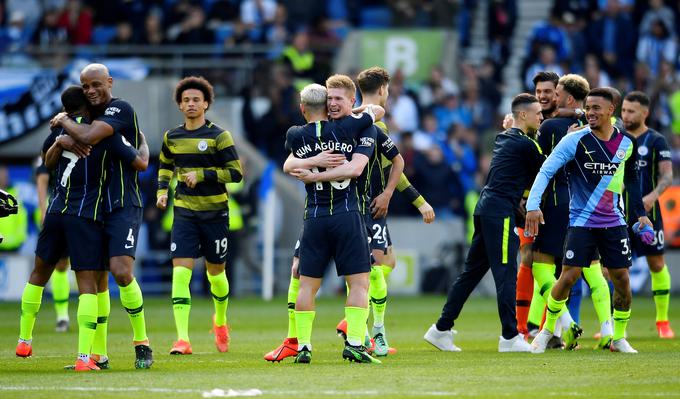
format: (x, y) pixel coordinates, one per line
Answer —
(340, 237)
(378, 234)
(583, 243)
(83, 237)
(122, 227)
(655, 248)
(194, 239)
(551, 235)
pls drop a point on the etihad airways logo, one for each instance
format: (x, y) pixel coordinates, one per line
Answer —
(602, 168)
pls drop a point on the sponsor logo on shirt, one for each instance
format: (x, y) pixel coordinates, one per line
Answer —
(602, 168)
(366, 142)
(111, 111)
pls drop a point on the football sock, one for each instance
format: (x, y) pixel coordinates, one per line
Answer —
(30, 305)
(377, 294)
(87, 322)
(544, 273)
(386, 271)
(574, 302)
(181, 300)
(525, 290)
(219, 288)
(621, 318)
(537, 307)
(132, 300)
(356, 324)
(293, 289)
(304, 320)
(101, 332)
(554, 312)
(599, 292)
(661, 288)
(60, 292)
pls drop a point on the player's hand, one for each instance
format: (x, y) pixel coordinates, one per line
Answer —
(68, 143)
(427, 212)
(508, 121)
(190, 179)
(304, 175)
(380, 205)
(574, 128)
(162, 202)
(644, 229)
(326, 159)
(57, 119)
(649, 200)
(533, 219)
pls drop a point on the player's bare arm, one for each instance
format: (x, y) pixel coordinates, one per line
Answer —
(324, 159)
(90, 134)
(664, 181)
(381, 203)
(349, 170)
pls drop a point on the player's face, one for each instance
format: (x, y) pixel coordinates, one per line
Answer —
(562, 96)
(547, 96)
(193, 104)
(339, 102)
(534, 117)
(598, 111)
(633, 114)
(97, 87)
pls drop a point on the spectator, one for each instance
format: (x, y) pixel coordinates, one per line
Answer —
(595, 76)
(300, 59)
(192, 29)
(123, 34)
(153, 28)
(547, 61)
(437, 182)
(549, 33)
(436, 88)
(656, 46)
(429, 135)
(450, 112)
(77, 21)
(49, 33)
(611, 35)
(15, 39)
(657, 11)
(31, 12)
(460, 156)
(402, 108)
(257, 15)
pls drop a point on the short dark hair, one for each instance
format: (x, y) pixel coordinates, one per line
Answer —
(638, 97)
(521, 100)
(576, 85)
(372, 79)
(602, 92)
(195, 82)
(546, 76)
(73, 99)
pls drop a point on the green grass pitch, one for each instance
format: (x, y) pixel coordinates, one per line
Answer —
(417, 370)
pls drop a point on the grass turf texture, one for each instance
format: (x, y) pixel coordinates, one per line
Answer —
(417, 370)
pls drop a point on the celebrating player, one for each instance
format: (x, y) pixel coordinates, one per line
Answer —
(656, 174)
(603, 160)
(204, 158)
(123, 201)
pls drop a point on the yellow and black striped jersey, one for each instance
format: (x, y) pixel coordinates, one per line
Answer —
(209, 151)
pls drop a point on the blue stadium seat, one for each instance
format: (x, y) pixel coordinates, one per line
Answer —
(103, 34)
(375, 17)
(337, 9)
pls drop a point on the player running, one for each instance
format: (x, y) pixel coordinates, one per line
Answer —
(603, 160)
(516, 160)
(656, 174)
(122, 198)
(204, 158)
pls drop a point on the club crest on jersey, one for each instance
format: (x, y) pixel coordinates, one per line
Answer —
(643, 150)
(620, 154)
(569, 254)
(202, 145)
